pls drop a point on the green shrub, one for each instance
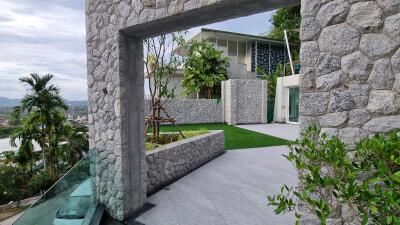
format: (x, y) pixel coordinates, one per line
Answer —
(40, 182)
(367, 180)
(12, 184)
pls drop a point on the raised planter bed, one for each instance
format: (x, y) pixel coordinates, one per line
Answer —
(173, 161)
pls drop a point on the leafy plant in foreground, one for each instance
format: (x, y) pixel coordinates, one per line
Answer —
(366, 180)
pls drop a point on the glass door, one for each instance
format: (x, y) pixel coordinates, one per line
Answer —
(293, 109)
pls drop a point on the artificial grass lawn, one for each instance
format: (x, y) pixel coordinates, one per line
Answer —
(235, 137)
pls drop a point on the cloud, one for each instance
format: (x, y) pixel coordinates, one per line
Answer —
(46, 36)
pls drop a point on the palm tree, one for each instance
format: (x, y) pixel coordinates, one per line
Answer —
(78, 144)
(42, 101)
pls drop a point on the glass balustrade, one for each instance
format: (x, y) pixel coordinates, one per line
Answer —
(69, 201)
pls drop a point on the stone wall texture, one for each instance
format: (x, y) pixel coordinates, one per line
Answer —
(173, 161)
(350, 56)
(191, 111)
(244, 101)
(350, 77)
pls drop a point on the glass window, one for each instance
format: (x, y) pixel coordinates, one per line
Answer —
(232, 48)
(222, 43)
(294, 104)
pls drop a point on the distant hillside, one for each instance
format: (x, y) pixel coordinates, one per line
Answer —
(8, 102)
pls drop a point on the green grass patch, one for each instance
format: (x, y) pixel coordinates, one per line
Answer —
(235, 137)
(169, 138)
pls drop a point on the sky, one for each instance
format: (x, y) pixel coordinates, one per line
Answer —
(48, 36)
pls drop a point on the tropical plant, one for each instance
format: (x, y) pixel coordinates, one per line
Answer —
(272, 81)
(161, 63)
(204, 68)
(41, 103)
(77, 137)
(366, 181)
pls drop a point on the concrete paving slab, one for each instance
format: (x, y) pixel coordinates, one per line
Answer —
(282, 130)
(229, 190)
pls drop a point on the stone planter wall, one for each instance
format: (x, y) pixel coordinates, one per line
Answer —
(173, 161)
(190, 111)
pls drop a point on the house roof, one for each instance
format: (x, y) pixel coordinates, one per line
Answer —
(234, 36)
(207, 33)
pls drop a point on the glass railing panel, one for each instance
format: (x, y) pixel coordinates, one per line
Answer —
(69, 201)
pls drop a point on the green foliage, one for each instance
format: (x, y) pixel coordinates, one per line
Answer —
(6, 131)
(368, 181)
(12, 183)
(286, 19)
(272, 80)
(204, 68)
(40, 182)
(167, 138)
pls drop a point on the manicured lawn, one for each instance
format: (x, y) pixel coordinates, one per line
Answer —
(235, 138)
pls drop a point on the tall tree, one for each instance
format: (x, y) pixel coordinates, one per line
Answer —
(205, 68)
(286, 19)
(41, 102)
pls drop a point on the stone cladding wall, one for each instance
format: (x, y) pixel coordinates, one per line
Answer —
(115, 89)
(191, 111)
(350, 75)
(173, 161)
(244, 101)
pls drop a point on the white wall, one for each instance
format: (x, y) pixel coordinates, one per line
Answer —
(281, 96)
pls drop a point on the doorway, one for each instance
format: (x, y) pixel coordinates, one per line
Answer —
(293, 105)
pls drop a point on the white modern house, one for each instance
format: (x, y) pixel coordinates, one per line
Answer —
(247, 53)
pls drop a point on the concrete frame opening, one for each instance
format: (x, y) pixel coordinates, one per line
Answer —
(121, 181)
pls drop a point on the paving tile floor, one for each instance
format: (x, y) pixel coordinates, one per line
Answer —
(281, 130)
(229, 190)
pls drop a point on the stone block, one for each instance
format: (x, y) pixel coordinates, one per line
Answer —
(383, 102)
(396, 61)
(389, 6)
(330, 81)
(327, 63)
(358, 117)
(309, 53)
(340, 39)
(341, 100)
(330, 132)
(310, 29)
(309, 7)
(333, 12)
(307, 79)
(352, 135)
(383, 124)
(333, 119)
(377, 45)
(381, 76)
(306, 121)
(396, 86)
(313, 104)
(357, 65)
(392, 27)
(366, 16)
